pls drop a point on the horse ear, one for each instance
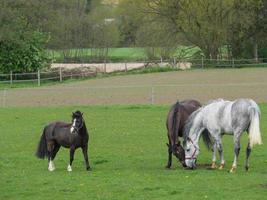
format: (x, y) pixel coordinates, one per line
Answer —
(82, 114)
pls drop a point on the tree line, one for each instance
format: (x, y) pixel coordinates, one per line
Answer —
(219, 28)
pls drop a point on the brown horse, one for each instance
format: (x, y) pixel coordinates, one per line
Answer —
(69, 135)
(176, 120)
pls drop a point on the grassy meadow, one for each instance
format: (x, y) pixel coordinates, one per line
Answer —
(127, 154)
(122, 53)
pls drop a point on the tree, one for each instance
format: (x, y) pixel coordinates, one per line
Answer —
(211, 24)
(203, 23)
(21, 45)
(245, 28)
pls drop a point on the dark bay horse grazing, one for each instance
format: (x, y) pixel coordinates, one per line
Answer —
(176, 120)
(69, 135)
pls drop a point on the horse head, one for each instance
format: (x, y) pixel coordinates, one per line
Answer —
(77, 122)
(191, 152)
(178, 151)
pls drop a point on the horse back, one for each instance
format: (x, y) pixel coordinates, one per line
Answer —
(183, 109)
(59, 132)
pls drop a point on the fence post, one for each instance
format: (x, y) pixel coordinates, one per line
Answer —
(95, 71)
(174, 62)
(202, 62)
(60, 74)
(4, 98)
(125, 67)
(11, 77)
(105, 66)
(38, 75)
(233, 63)
(152, 96)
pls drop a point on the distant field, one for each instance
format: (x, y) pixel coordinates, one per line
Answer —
(120, 54)
(127, 153)
(158, 88)
(114, 53)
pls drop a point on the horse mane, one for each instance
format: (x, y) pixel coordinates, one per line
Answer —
(205, 134)
(189, 123)
(175, 109)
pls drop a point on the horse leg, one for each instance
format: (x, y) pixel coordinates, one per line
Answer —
(248, 151)
(237, 149)
(53, 155)
(213, 164)
(85, 155)
(72, 150)
(50, 148)
(220, 150)
(169, 163)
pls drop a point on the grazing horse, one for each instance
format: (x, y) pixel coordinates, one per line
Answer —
(69, 135)
(223, 117)
(176, 119)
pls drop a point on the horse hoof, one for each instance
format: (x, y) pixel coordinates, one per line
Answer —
(89, 169)
(69, 168)
(221, 167)
(51, 169)
(233, 170)
(167, 167)
(246, 168)
(213, 165)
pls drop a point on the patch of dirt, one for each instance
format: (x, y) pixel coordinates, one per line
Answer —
(157, 88)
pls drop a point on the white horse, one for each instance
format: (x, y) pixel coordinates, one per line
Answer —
(223, 117)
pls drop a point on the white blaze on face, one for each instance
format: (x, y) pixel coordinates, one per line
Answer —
(72, 126)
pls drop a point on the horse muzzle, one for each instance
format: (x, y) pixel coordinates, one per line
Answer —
(191, 164)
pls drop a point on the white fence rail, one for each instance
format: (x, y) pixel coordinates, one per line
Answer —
(41, 76)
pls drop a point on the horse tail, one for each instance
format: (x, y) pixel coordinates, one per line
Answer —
(42, 151)
(175, 122)
(254, 128)
(207, 139)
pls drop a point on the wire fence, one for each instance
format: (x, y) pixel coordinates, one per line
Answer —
(64, 71)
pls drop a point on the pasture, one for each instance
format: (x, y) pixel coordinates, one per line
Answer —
(127, 147)
(119, 54)
(127, 153)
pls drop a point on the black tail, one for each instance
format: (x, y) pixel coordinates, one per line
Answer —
(207, 139)
(42, 147)
(175, 122)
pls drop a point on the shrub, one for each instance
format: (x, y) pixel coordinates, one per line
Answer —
(24, 55)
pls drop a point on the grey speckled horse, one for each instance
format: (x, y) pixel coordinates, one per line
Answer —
(223, 117)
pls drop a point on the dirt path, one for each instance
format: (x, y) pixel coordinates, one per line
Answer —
(108, 67)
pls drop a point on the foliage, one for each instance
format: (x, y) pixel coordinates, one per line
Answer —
(23, 56)
(159, 26)
(21, 43)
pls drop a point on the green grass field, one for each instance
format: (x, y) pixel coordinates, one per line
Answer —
(114, 53)
(127, 154)
(123, 53)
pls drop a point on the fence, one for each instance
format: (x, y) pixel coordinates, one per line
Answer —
(41, 76)
(60, 71)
